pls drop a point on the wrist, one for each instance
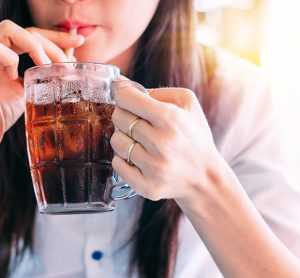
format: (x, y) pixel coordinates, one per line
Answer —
(233, 230)
(217, 186)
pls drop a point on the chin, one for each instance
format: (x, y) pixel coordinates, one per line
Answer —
(88, 53)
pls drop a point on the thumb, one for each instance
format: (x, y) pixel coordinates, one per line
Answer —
(122, 78)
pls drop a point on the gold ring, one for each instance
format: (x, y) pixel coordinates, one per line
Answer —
(129, 153)
(131, 126)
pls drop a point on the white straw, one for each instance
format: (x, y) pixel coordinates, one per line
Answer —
(70, 51)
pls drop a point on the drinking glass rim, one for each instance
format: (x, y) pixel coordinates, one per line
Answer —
(100, 65)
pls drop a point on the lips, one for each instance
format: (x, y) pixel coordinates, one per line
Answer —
(84, 29)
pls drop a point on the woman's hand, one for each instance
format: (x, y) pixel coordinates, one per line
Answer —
(175, 157)
(175, 152)
(43, 46)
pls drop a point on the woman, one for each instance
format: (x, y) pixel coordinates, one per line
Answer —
(193, 168)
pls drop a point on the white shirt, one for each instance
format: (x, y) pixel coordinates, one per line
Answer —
(246, 134)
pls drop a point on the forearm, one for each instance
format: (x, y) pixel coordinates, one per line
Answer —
(237, 237)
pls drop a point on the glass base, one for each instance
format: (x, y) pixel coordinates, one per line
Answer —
(80, 208)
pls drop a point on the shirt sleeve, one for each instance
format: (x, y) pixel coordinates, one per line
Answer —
(248, 135)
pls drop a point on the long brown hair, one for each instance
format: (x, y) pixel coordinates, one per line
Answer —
(167, 56)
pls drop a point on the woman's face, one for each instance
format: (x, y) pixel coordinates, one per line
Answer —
(111, 27)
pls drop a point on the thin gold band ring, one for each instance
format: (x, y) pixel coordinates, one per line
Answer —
(131, 126)
(129, 153)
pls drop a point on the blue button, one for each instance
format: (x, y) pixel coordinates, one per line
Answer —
(97, 255)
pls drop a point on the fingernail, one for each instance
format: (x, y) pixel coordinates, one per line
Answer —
(73, 59)
(78, 38)
(81, 38)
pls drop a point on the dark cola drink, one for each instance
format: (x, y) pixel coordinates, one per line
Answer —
(70, 152)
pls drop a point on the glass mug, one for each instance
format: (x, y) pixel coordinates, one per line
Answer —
(68, 130)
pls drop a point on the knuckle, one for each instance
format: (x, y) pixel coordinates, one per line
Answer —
(165, 148)
(114, 116)
(117, 163)
(114, 162)
(174, 121)
(189, 97)
(166, 115)
(114, 140)
(15, 59)
(188, 93)
(6, 24)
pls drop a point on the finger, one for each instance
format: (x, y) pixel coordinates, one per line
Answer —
(132, 175)
(9, 60)
(122, 78)
(133, 100)
(62, 39)
(121, 145)
(55, 53)
(142, 131)
(181, 97)
(15, 37)
(72, 59)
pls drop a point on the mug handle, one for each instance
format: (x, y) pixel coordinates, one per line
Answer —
(121, 190)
